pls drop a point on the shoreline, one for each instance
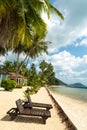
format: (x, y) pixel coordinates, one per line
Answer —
(74, 98)
(78, 98)
(74, 109)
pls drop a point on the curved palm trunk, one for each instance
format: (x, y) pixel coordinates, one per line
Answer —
(22, 64)
(25, 60)
(17, 68)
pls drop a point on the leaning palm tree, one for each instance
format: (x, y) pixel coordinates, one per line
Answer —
(18, 50)
(38, 47)
(19, 18)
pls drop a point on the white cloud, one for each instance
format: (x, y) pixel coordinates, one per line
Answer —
(82, 43)
(65, 66)
(65, 61)
(62, 33)
(12, 56)
(69, 68)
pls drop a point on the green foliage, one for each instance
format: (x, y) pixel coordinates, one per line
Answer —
(25, 84)
(8, 84)
(43, 66)
(33, 79)
(45, 77)
(25, 95)
(35, 85)
(19, 86)
(47, 74)
(19, 23)
(32, 90)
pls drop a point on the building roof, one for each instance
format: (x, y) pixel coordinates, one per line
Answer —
(13, 75)
(2, 72)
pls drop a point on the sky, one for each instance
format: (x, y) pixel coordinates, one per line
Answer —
(68, 51)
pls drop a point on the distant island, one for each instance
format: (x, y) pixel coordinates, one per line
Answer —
(77, 85)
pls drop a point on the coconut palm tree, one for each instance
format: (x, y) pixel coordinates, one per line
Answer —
(7, 66)
(43, 66)
(38, 47)
(19, 18)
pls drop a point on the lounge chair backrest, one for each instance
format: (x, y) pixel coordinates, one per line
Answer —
(19, 105)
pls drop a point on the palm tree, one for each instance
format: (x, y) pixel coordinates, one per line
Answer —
(38, 47)
(43, 66)
(20, 18)
(18, 50)
(7, 66)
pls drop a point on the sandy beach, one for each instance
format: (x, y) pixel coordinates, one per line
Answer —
(7, 101)
(76, 110)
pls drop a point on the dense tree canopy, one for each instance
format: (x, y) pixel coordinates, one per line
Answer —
(44, 76)
(22, 30)
(20, 19)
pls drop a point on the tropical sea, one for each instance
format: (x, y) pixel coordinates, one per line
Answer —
(76, 93)
(73, 101)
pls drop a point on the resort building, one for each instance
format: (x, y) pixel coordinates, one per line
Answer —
(12, 75)
(18, 78)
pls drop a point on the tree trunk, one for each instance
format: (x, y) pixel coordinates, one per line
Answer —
(17, 68)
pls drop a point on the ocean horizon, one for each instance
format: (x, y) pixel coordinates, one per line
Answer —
(76, 93)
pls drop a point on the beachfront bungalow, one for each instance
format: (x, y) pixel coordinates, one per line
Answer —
(18, 78)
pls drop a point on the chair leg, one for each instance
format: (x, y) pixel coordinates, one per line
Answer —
(44, 119)
(13, 116)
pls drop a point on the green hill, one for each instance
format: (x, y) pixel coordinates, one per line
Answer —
(59, 82)
(78, 85)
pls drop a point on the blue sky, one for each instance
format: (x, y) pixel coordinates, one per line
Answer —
(68, 51)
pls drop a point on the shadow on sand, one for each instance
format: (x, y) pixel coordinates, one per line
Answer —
(23, 119)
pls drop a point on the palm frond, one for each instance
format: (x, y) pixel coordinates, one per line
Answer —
(53, 9)
(20, 19)
(34, 19)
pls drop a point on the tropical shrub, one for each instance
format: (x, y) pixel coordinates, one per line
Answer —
(19, 86)
(8, 84)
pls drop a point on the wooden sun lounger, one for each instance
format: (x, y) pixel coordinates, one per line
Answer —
(20, 110)
(13, 113)
(31, 104)
(34, 104)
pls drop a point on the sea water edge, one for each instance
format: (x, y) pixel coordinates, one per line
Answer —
(75, 93)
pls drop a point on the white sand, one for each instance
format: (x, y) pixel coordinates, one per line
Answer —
(7, 101)
(75, 109)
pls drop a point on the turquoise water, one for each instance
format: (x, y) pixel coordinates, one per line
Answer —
(77, 93)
